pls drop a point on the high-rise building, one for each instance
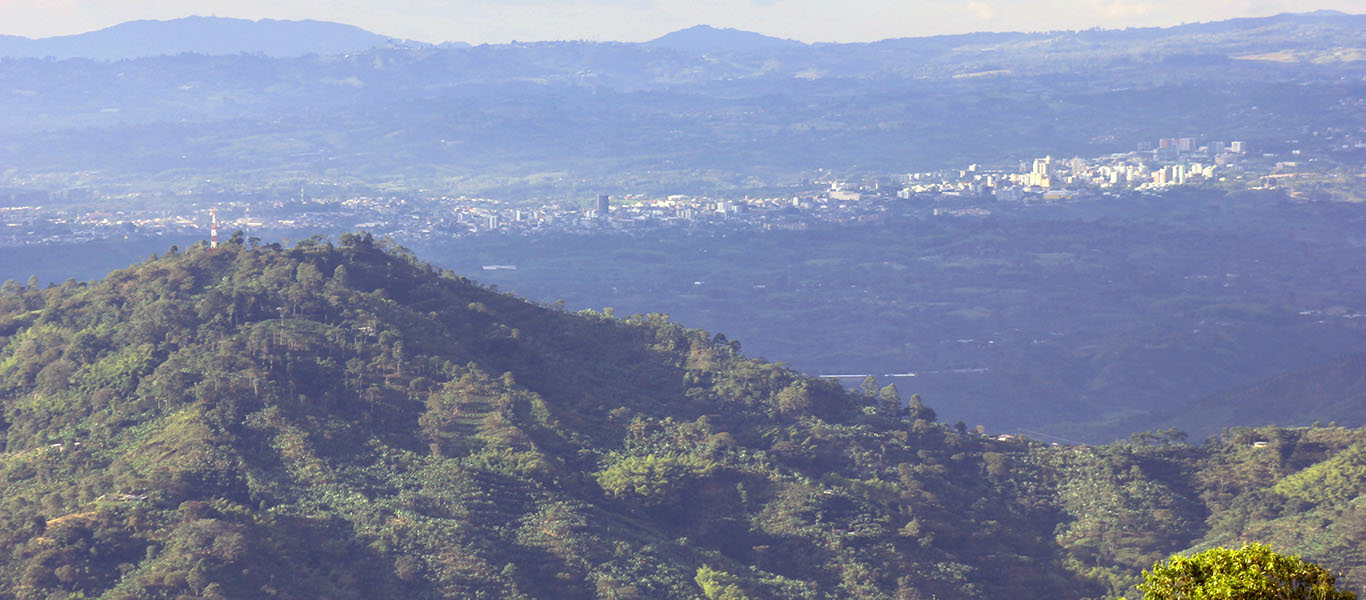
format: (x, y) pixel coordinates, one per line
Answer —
(1041, 175)
(1041, 165)
(601, 206)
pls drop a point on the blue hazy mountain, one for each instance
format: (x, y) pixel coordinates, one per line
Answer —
(199, 35)
(792, 108)
(705, 38)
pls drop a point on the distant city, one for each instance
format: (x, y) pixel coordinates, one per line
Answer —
(35, 217)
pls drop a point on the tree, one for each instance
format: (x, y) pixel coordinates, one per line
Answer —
(795, 399)
(653, 479)
(918, 411)
(1252, 572)
(1164, 437)
(719, 585)
(868, 386)
(890, 398)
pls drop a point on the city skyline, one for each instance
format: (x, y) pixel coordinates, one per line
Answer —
(617, 20)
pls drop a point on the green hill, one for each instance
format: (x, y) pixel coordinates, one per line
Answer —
(345, 421)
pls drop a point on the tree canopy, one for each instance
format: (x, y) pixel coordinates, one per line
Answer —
(1253, 572)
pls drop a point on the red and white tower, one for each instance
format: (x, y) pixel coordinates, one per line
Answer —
(213, 229)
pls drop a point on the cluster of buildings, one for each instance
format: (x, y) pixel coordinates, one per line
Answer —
(955, 192)
(1174, 161)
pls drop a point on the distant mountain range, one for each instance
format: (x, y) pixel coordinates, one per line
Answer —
(282, 38)
(736, 104)
(199, 35)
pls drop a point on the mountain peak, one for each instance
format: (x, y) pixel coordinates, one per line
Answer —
(199, 35)
(705, 38)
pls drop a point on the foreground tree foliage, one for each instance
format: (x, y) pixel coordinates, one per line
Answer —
(345, 421)
(1252, 572)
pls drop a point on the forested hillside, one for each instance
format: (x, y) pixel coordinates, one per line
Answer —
(346, 421)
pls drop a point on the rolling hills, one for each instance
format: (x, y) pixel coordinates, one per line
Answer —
(1298, 397)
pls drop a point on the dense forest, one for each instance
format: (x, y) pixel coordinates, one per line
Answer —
(343, 420)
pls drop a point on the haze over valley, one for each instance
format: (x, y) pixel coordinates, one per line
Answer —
(294, 308)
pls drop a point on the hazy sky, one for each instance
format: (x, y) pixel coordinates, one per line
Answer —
(480, 21)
